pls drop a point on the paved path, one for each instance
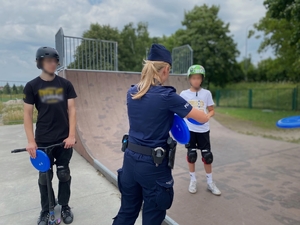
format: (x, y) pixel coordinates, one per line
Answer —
(94, 200)
(259, 179)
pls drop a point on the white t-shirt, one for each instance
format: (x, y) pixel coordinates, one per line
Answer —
(200, 100)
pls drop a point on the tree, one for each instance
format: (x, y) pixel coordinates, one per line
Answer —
(14, 89)
(281, 26)
(20, 88)
(288, 10)
(7, 89)
(133, 46)
(213, 46)
(96, 54)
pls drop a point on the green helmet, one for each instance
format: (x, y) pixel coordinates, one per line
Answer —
(196, 69)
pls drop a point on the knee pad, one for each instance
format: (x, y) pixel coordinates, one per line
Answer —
(63, 174)
(43, 177)
(207, 156)
(192, 155)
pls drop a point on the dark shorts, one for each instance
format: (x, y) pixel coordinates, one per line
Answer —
(199, 140)
(59, 155)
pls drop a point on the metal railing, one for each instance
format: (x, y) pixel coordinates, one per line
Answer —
(86, 53)
(182, 59)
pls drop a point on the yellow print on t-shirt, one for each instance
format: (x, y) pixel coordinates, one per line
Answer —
(198, 104)
(51, 95)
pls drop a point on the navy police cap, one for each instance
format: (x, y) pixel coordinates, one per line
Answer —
(160, 53)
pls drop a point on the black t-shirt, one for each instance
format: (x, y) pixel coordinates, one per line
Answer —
(51, 101)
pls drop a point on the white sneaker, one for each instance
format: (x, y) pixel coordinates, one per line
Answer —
(213, 188)
(193, 186)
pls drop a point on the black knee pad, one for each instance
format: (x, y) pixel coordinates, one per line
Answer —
(192, 155)
(207, 156)
(63, 173)
(43, 177)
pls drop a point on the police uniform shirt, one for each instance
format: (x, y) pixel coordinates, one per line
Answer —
(51, 101)
(151, 117)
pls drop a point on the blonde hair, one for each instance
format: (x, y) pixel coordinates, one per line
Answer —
(150, 77)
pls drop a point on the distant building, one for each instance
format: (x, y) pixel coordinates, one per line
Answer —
(1, 88)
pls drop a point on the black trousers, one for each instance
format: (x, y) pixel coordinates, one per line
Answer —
(61, 158)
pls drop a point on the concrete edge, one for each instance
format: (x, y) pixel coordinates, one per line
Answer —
(111, 177)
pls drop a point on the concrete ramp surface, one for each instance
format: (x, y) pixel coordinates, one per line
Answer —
(259, 178)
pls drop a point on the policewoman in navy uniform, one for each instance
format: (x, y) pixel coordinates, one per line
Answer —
(145, 175)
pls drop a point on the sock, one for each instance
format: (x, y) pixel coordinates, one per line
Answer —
(209, 178)
(193, 176)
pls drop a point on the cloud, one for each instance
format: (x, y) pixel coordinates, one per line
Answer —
(28, 24)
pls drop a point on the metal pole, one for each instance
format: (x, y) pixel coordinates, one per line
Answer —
(90, 58)
(70, 45)
(97, 54)
(81, 52)
(105, 55)
(63, 50)
(116, 56)
(110, 50)
(246, 52)
(100, 55)
(94, 56)
(85, 53)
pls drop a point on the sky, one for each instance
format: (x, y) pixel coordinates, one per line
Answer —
(28, 24)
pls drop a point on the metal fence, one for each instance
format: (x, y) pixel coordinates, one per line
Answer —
(86, 53)
(277, 99)
(182, 59)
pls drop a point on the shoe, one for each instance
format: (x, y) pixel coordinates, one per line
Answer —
(43, 219)
(66, 214)
(193, 186)
(213, 189)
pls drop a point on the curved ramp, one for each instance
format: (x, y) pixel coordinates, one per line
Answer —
(259, 178)
(102, 112)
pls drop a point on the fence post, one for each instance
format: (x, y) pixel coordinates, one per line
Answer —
(250, 99)
(218, 97)
(294, 98)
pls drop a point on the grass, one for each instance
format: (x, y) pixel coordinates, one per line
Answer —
(13, 114)
(257, 122)
(1, 107)
(5, 97)
(257, 85)
(265, 95)
(257, 117)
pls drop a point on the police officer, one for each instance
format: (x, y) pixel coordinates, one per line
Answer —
(151, 109)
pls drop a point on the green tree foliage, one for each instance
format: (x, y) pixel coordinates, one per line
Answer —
(20, 89)
(7, 89)
(281, 26)
(213, 46)
(14, 89)
(96, 55)
(290, 11)
(133, 46)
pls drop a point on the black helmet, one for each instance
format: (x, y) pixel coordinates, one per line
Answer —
(45, 52)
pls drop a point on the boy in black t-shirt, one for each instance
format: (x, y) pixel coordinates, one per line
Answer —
(54, 99)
